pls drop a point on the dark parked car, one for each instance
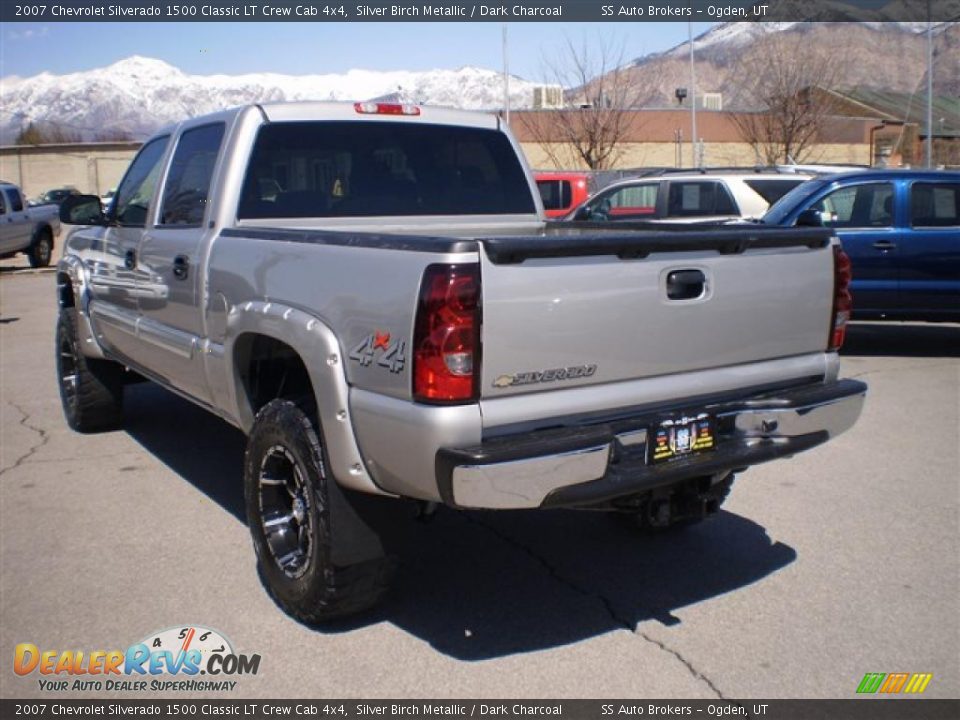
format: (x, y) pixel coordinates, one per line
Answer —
(901, 229)
(55, 196)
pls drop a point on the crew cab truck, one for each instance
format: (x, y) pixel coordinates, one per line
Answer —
(371, 293)
(901, 229)
(29, 230)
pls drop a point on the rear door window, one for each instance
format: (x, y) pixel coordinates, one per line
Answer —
(370, 169)
(699, 198)
(188, 181)
(935, 204)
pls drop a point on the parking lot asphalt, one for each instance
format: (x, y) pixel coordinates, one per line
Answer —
(838, 562)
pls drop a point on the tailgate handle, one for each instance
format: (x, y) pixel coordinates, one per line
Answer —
(685, 284)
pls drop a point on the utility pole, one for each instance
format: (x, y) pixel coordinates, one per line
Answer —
(506, 79)
(693, 100)
(929, 143)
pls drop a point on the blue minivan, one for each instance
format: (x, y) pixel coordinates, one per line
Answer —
(901, 229)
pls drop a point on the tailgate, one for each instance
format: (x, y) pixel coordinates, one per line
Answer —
(577, 309)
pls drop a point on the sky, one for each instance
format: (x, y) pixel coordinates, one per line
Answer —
(317, 48)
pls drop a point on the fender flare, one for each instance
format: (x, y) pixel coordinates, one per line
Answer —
(320, 351)
(72, 267)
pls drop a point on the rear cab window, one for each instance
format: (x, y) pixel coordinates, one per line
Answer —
(370, 169)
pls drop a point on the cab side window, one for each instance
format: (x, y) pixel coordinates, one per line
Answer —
(633, 202)
(16, 201)
(3, 203)
(859, 206)
(136, 190)
(188, 182)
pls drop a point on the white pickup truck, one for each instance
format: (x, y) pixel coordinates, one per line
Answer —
(371, 293)
(26, 229)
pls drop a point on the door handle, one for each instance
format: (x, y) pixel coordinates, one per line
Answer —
(181, 267)
(685, 284)
(130, 259)
(885, 245)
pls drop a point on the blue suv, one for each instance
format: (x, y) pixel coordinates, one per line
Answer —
(901, 229)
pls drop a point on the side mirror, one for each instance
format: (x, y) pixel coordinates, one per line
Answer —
(582, 213)
(82, 210)
(809, 218)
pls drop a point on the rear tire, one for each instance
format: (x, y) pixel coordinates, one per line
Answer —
(91, 390)
(314, 558)
(41, 251)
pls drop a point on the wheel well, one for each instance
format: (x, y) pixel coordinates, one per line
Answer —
(269, 369)
(41, 231)
(65, 291)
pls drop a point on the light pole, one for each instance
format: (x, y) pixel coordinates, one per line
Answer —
(929, 143)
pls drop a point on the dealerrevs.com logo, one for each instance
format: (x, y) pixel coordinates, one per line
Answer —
(170, 660)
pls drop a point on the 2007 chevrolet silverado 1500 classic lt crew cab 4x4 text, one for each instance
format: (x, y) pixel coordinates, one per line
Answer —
(371, 293)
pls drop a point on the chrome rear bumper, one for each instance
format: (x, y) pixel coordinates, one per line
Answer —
(587, 465)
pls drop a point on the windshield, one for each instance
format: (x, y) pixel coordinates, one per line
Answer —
(785, 205)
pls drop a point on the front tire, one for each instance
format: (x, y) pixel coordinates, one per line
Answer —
(91, 390)
(41, 251)
(315, 555)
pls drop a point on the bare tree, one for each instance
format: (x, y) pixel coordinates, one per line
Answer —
(598, 111)
(787, 84)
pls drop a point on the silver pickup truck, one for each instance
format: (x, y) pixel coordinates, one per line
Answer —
(25, 229)
(371, 293)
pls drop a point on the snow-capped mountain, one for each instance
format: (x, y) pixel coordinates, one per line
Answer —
(138, 95)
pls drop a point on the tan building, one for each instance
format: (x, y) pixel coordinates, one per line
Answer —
(90, 167)
(661, 138)
(899, 129)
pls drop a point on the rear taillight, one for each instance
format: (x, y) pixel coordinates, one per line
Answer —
(842, 299)
(446, 338)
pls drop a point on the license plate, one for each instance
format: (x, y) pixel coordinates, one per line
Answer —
(682, 437)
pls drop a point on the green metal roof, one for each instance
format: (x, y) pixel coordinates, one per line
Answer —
(909, 108)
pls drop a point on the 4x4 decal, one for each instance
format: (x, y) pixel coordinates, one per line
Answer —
(377, 347)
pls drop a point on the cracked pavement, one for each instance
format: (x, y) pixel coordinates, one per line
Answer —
(840, 561)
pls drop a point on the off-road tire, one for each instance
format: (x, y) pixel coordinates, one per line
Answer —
(41, 250)
(91, 390)
(284, 432)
